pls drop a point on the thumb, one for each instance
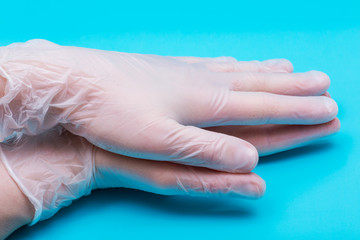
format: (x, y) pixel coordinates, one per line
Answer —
(194, 146)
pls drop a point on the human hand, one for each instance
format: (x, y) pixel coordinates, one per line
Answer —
(152, 107)
(15, 208)
(56, 167)
(272, 138)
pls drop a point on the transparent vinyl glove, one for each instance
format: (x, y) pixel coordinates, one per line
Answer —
(155, 107)
(57, 167)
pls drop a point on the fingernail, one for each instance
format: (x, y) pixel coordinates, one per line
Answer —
(252, 190)
(247, 159)
(331, 107)
(321, 78)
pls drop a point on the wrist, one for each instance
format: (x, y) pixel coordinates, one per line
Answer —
(15, 208)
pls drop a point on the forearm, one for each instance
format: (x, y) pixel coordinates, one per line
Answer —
(15, 209)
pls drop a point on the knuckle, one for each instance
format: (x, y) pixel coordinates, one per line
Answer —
(186, 147)
(258, 81)
(193, 182)
(267, 109)
(239, 84)
(215, 185)
(215, 149)
(216, 103)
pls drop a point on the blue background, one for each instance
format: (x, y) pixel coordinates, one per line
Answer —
(312, 192)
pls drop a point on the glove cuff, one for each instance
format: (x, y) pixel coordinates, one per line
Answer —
(51, 169)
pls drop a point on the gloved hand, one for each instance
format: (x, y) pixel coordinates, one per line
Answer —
(56, 167)
(152, 107)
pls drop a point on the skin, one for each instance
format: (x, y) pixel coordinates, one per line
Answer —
(156, 107)
(15, 208)
(17, 211)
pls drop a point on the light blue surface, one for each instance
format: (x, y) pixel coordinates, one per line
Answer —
(312, 192)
